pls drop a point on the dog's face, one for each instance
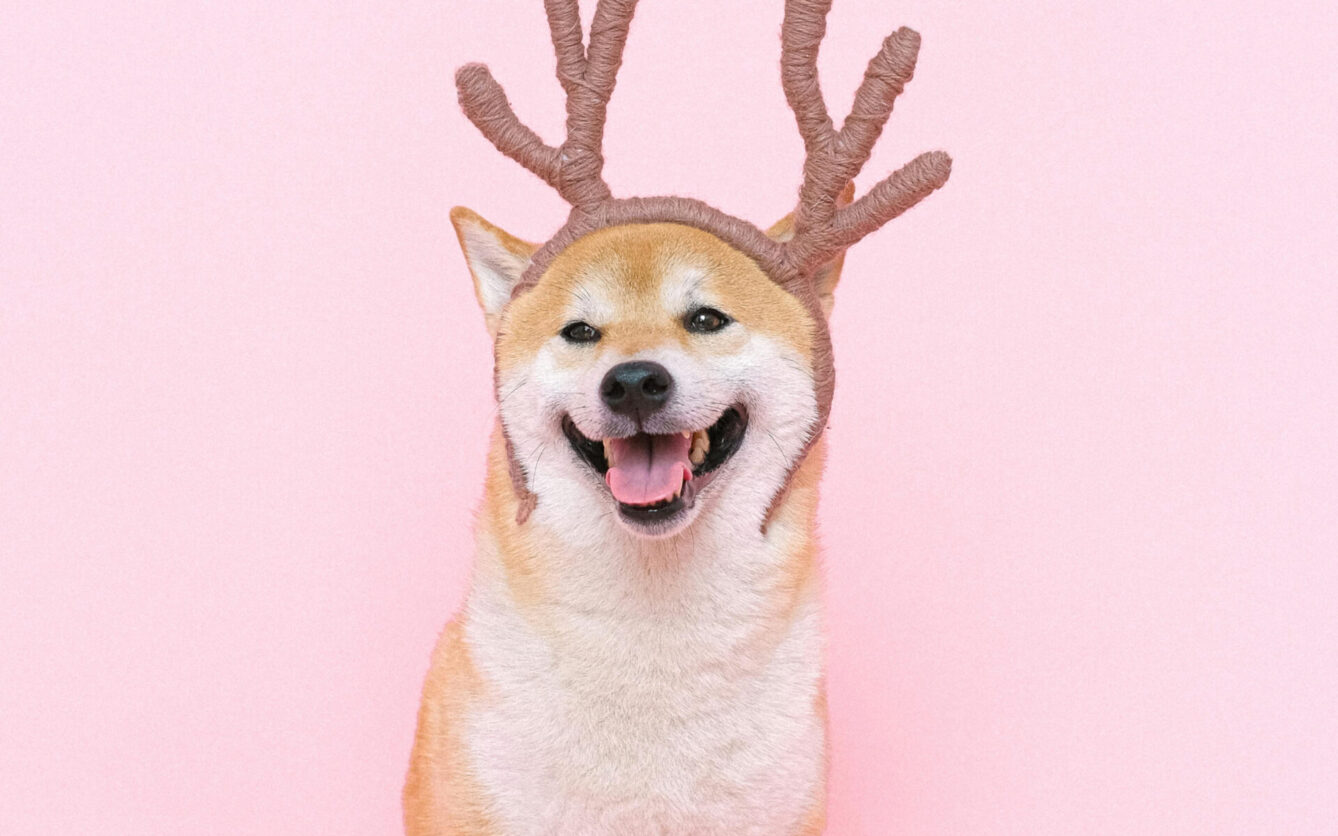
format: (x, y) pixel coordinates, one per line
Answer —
(652, 373)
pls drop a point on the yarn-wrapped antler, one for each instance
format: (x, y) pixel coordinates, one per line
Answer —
(576, 167)
(822, 228)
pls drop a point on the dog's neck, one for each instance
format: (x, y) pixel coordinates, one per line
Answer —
(556, 565)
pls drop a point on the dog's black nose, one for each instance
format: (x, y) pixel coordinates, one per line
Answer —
(637, 389)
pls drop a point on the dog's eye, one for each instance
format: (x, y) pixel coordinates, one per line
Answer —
(580, 332)
(705, 320)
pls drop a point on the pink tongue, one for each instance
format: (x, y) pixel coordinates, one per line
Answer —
(650, 468)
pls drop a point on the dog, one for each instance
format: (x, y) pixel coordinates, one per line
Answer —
(640, 650)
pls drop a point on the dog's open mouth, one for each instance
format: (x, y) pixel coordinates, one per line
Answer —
(654, 477)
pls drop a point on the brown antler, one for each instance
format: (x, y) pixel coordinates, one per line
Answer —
(822, 228)
(575, 168)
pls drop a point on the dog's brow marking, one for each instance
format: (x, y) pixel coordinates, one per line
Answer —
(581, 294)
(586, 301)
(682, 280)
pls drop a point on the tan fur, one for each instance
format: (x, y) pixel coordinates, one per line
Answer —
(799, 510)
(816, 822)
(440, 796)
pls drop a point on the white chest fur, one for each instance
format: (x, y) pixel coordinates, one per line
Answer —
(678, 697)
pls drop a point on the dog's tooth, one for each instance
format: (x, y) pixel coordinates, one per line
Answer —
(687, 433)
(701, 443)
(608, 453)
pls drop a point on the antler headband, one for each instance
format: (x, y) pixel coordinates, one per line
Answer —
(823, 227)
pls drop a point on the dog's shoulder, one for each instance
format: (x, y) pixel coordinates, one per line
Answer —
(441, 794)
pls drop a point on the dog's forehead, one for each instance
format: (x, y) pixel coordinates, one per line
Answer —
(636, 282)
(670, 284)
(642, 270)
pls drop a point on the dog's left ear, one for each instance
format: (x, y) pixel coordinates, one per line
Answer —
(496, 258)
(828, 274)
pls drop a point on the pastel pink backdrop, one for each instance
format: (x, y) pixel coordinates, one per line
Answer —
(1079, 511)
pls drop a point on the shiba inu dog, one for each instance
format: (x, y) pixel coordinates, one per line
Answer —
(641, 648)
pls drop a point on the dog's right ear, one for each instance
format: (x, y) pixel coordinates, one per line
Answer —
(496, 259)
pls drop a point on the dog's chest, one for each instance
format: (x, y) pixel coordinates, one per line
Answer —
(650, 726)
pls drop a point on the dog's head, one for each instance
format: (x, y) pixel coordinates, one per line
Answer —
(675, 354)
(652, 372)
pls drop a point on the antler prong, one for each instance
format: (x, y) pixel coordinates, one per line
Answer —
(887, 75)
(564, 23)
(588, 75)
(484, 102)
(802, 31)
(893, 195)
(833, 158)
(588, 99)
(608, 36)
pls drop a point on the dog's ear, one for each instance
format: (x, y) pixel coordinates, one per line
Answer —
(496, 259)
(828, 274)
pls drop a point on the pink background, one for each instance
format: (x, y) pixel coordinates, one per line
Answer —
(1080, 503)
